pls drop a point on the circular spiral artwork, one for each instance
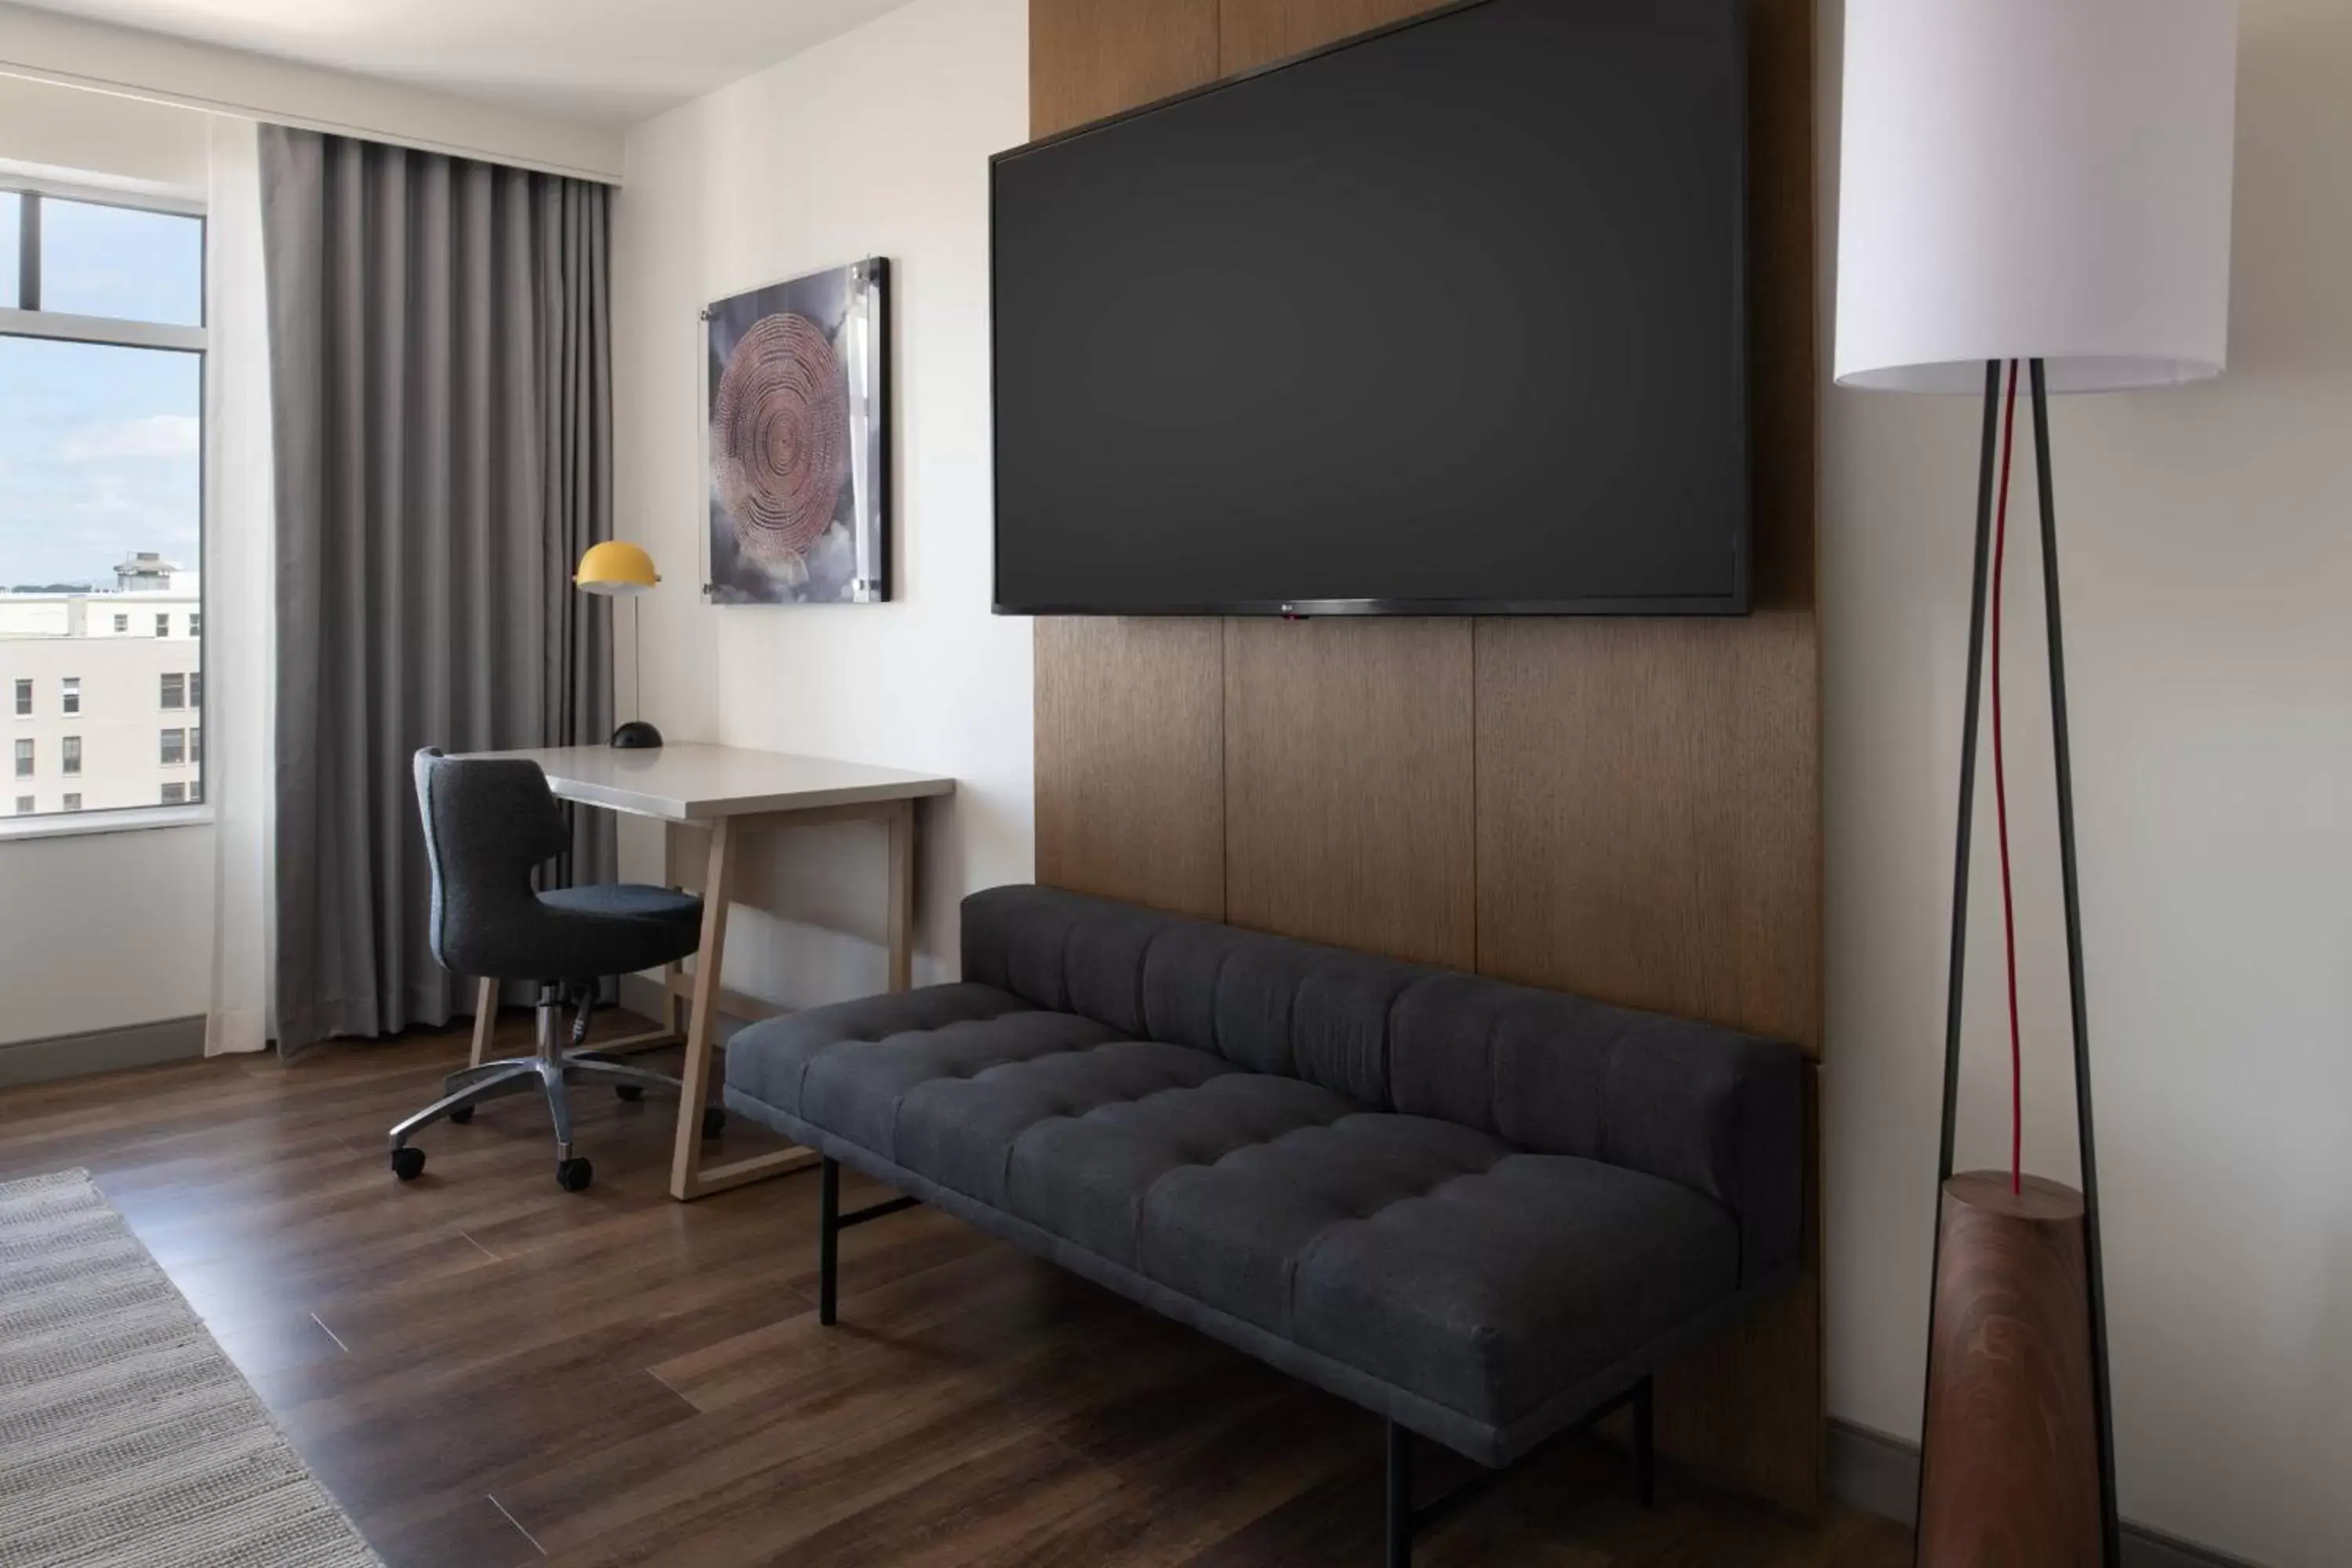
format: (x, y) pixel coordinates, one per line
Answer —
(780, 436)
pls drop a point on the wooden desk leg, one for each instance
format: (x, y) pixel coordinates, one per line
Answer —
(685, 1157)
(688, 1178)
(902, 895)
(486, 1019)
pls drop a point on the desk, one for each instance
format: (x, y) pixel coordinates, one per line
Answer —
(725, 794)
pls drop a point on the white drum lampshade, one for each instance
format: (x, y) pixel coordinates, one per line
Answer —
(2028, 179)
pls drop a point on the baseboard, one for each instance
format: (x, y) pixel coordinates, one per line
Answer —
(101, 1050)
(1880, 1474)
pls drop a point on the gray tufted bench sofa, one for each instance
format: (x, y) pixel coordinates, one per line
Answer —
(1484, 1212)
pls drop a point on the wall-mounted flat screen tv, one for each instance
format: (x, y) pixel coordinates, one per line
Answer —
(1446, 319)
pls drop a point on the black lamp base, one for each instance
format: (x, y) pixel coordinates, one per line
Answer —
(637, 735)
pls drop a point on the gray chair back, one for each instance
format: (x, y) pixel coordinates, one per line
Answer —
(488, 822)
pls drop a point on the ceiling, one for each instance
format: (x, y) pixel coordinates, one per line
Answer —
(614, 61)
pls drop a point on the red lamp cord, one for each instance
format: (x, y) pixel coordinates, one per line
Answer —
(2000, 800)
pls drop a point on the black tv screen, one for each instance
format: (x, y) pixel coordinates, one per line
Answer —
(1448, 319)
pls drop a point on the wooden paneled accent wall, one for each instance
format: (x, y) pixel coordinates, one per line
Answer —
(1629, 809)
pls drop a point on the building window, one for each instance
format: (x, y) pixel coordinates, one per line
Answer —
(102, 345)
(175, 794)
(24, 700)
(24, 805)
(175, 690)
(196, 746)
(175, 748)
(196, 626)
(195, 687)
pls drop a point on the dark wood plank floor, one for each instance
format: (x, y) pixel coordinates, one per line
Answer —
(490, 1372)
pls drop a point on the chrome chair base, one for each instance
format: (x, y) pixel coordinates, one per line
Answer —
(553, 1070)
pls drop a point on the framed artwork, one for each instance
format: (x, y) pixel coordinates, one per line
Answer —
(796, 440)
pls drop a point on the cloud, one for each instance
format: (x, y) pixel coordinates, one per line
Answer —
(154, 436)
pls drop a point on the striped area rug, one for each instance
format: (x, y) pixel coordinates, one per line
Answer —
(127, 1437)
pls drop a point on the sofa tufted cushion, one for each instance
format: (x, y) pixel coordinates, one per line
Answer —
(1709, 1108)
(1427, 1255)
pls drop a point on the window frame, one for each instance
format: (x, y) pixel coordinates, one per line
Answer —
(22, 321)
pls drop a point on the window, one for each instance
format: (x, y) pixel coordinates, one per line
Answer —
(24, 805)
(197, 624)
(102, 345)
(196, 746)
(175, 748)
(175, 794)
(195, 685)
(175, 690)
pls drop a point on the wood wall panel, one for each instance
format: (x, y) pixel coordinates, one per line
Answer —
(1647, 815)
(1348, 797)
(1253, 33)
(1132, 761)
(1088, 59)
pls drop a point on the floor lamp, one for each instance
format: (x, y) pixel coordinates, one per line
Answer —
(2034, 190)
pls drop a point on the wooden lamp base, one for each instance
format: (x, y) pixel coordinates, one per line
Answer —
(2009, 1470)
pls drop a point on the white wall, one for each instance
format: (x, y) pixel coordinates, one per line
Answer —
(2207, 549)
(75, 51)
(874, 143)
(45, 126)
(104, 929)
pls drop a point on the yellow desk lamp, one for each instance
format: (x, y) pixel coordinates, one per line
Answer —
(618, 568)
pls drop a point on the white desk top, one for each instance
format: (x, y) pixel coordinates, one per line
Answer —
(696, 783)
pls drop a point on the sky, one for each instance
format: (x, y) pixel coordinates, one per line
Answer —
(98, 445)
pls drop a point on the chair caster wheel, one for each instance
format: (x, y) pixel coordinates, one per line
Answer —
(462, 1115)
(572, 1175)
(408, 1164)
(629, 1091)
(714, 1120)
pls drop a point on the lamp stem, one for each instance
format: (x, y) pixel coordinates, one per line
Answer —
(637, 653)
(2110, 1525)
(1952, 1007)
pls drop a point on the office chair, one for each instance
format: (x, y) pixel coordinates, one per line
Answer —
(488, 822)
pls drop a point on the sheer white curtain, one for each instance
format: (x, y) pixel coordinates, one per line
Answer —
(240, 640)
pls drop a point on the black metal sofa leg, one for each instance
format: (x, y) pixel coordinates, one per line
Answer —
(1404, 1521)
(1399, 1501)
(830, 1222)
(828, 1239)
(1644, 1444)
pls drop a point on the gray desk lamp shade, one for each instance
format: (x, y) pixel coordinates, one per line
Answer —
(2035, 179)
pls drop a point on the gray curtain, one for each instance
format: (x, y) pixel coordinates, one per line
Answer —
(441, 364)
